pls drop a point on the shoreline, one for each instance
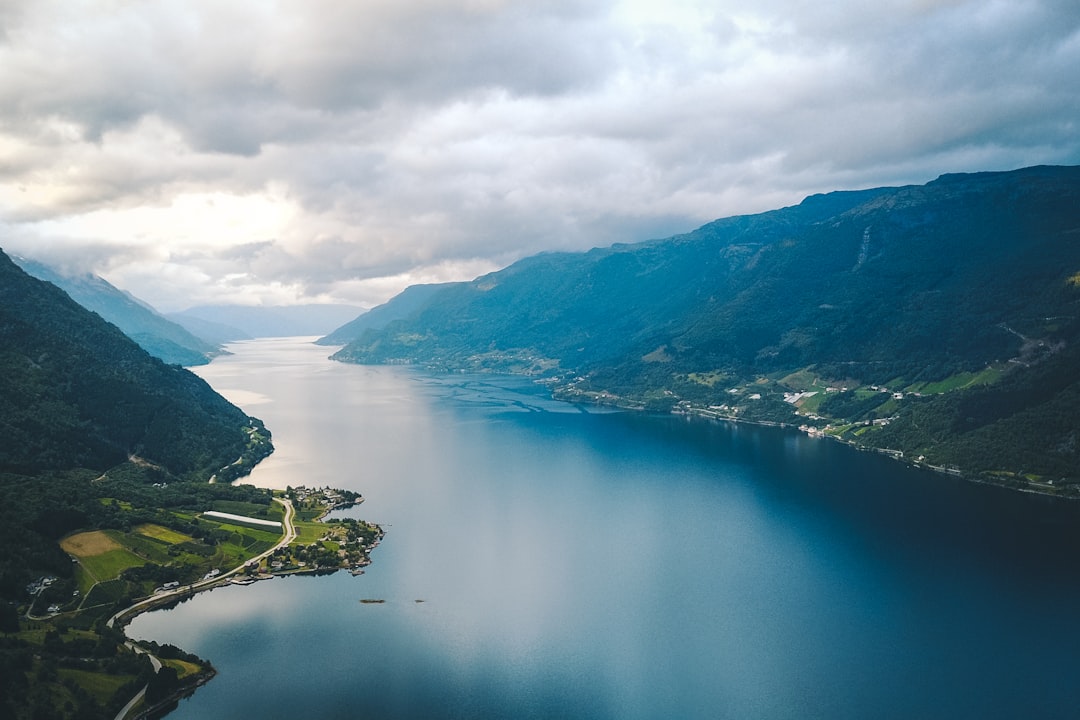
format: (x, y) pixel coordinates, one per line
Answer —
(170, 598)
(1048, 490)
(1008, 481)
(1005, 479)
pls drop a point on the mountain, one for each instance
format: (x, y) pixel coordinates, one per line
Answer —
(87, 416)
(952, 295)
(215, 332)
(100, 441)
(76, 392)
(154, 333)
(271, 321)
(399, 307)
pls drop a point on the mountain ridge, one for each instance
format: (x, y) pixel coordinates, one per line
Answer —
(80, 393)
(242, 322)
(893, 287)
(138, 320)
(100, 441)
(400, 306)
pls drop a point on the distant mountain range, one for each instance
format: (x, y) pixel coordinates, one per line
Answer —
(157, 335)
(859, 314)
(193, 336)
(226, 323)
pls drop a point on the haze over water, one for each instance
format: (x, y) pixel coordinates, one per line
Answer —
(595, 564)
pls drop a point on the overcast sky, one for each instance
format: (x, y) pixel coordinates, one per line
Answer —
(323, 150)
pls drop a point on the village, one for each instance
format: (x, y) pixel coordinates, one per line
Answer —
(316, 543)
(321, 544)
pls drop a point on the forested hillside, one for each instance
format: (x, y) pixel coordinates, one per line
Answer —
(76, 392)
(95, 435)
(922, 291)
(400, 306)
(159, 336)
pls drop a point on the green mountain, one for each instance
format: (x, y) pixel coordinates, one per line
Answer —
(77, 392)
(157, 335)
(400, 306)
(96, 435)
(83, 408)
(960, 298)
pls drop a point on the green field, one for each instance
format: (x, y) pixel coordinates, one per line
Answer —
(83, 579)
(306, 513)
(241, 543)
(109, 565)
(960, 381)
(106, 593)
(309, 532)
(812, 403)
(800, 380)
(183, 667)
(101, 686)
(164, 534)
(155, 551)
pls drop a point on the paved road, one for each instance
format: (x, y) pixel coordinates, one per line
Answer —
(142, 693)
(286, 538)
(131, 704)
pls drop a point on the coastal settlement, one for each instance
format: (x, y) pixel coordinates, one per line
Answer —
(163, 560)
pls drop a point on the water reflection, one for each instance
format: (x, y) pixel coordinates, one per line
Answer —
(608, 565)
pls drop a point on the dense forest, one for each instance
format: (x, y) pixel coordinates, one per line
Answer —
(912, 289)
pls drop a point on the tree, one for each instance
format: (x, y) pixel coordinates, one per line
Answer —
(162, 684)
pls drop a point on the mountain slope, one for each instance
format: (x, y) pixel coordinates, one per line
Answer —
(87, 414)
(98, 440)
(76, 392)
(899, 287)
(154, 333)
(215, 332)
(399, 307)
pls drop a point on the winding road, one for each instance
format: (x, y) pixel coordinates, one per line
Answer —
(288, 536)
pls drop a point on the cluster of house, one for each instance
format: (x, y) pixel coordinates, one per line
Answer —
(40, 584)
(331, 497)
(895, 395)
(176, 583)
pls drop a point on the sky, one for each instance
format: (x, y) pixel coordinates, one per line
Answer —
(288, 151)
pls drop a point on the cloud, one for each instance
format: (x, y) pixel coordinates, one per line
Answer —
(287, 150)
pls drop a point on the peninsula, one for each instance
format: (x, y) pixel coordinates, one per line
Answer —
(106, 461)
(247, 551)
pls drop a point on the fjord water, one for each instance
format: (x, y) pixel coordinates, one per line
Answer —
(549, 561)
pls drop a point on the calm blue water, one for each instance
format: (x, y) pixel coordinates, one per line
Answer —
(580, 564)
